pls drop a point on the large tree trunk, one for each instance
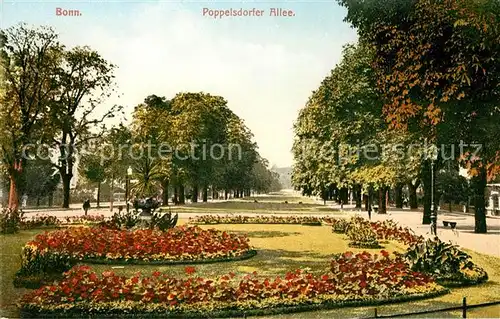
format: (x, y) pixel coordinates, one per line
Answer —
(98, 194)
(182, 196)
(426, 183)
(165, 186)
(398, 194)
(479, 187)
(66, 180)
(225, 194)
(357, 195)
(13, 192)
(51, 199)
(66, 171)
(370, 202)
(112, 193)
(428, 189)
(205, 194)
(176, 195)
(324, 196)
(13, 197)
(382, 200)
(194, 194)
(344, 194)
(412, 189)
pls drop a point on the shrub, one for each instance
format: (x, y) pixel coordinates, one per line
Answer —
(340, 226)
(163, 221)
(445, 261)
(123, 219)
(37, 265)
(361, 235)
(10, 221)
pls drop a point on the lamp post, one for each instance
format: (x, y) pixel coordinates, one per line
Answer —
(127, 186)
(433, 208)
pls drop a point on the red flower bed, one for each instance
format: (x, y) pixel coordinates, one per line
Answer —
(389, 230)
(144, 244)
(376, 274)
(84, 288)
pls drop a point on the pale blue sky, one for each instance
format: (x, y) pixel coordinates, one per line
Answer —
(266, 67)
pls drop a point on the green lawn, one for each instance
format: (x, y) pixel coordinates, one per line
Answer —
(281, 248)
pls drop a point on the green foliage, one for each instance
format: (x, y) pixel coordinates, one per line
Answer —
(163, 221)
(123, 219)
(28, 58)
(340, 226)
(10, 221)
(443, 260)
(361, 235)
(38, 264)
(341, 138)
(452, 187)
(436, 62)
(190, 124)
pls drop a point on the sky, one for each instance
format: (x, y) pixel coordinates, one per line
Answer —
(266, 67)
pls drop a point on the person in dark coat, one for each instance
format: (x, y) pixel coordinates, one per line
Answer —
(86, 205)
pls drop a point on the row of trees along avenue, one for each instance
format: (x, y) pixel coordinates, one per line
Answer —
(423, 72)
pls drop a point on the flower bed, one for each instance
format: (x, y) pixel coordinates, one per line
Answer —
(83, 292)
(38, 221)
(260, 219)
(390, 230)
(384, 230)
(57, 251)
(377, 274)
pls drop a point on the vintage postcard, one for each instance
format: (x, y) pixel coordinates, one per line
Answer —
(234, 159)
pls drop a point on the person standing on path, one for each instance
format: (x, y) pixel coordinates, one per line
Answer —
(86, 206)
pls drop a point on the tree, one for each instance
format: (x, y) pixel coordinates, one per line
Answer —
(151, 128)
(199, 123)
(452, 187)
(192, 139)
(46, 177)
(76, 116)
(29, 57)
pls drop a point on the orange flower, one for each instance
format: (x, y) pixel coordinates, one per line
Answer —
(190, 270)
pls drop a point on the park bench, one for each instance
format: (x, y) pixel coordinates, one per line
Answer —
(375, 209)
(451, 224)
